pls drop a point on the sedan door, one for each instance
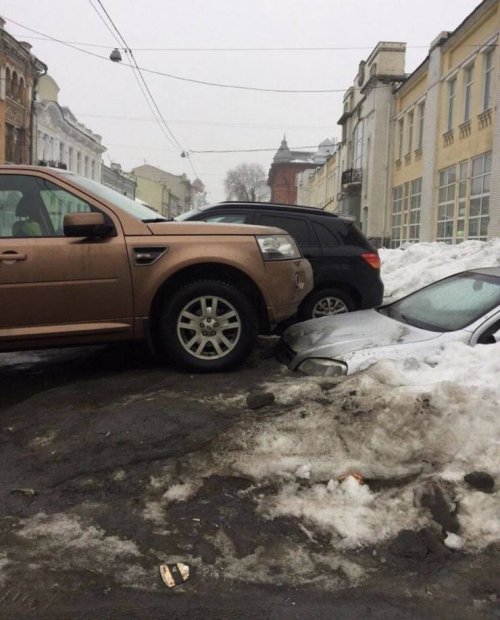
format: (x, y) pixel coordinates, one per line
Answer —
(54, 288)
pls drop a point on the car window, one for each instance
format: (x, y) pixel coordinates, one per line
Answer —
(491, 334)
(227, 218)
(35, 207)
(59, 203)
(326, 237)
(296, 226)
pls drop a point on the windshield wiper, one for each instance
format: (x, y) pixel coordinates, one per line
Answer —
(153, 220)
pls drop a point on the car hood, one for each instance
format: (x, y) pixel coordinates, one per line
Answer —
(334, 336)
(205, 228)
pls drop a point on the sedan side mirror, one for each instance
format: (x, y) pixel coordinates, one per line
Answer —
(87, 225)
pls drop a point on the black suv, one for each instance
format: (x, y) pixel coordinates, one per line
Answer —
(346, 266)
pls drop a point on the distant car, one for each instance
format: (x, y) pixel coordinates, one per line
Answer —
(464, 307)
(81, 264)
(346, 266)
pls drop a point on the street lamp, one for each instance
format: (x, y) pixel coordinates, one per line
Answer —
(115, 55)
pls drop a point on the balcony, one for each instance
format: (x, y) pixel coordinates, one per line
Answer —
(352, 178)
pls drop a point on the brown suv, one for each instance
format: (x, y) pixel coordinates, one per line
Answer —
(81, 264)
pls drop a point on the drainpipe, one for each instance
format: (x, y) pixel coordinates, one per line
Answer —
(33, 152)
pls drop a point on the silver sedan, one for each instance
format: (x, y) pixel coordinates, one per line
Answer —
(464, 307)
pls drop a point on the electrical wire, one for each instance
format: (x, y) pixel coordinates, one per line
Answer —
(130, 53)
(185, 79)
(248, 49)
(147, 95)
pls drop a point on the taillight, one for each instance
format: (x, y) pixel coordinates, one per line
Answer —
(372, 259)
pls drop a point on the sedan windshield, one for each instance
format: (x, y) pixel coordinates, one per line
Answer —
(449, 304)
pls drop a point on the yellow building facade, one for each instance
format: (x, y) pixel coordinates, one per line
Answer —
(444, 147)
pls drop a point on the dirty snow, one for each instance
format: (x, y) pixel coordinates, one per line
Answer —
(400, 424)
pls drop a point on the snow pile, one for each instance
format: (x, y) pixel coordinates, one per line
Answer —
(420, 264)
(403, 426)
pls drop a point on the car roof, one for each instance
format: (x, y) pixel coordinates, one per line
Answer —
(277, 206)
(487, 271)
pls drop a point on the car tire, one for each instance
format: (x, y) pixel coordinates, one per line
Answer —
(207, 326)
(326, 302)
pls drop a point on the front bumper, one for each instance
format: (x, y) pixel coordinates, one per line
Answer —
(289, 281)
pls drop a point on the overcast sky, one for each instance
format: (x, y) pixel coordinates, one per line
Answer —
(106, 97)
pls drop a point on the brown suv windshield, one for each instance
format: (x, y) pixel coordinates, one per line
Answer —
(136, 209)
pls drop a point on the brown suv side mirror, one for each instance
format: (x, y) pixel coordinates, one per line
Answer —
(87, 225)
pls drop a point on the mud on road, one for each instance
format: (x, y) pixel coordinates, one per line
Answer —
(109, 468)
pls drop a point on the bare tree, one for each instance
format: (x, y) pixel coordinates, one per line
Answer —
(247, 182)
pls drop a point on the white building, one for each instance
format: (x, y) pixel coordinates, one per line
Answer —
(62, 141)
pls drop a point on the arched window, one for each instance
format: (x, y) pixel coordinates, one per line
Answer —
(21, 90)
(14, 86)
(7, 82)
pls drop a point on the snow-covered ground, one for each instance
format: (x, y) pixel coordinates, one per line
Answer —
(410, 423)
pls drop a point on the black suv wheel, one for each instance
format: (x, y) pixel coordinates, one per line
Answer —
(325, 302)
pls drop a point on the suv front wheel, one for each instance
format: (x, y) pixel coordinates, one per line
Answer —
(325, 302)
(208, 326)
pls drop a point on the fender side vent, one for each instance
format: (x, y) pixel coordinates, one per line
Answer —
(147, 255)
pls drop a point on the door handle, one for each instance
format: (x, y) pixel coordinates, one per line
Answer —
(10, 255)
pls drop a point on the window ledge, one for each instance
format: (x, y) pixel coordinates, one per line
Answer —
(448, 138)
(465, 129)
(485, 118)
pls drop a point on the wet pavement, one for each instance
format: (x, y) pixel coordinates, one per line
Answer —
(87, 436)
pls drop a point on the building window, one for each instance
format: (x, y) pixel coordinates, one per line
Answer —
(411, 117)
(7, 82)
(70, 158)
(86, 173)
(479, 206)
(14, 86)
(488, 69)
(357, 151)
(468, 82)
(93, 169)
(446, 204)
(400, 137)
(79, 163)
(452, 93)
(14, 139)
(421, 115)
(21, 91)
(61, 152)
(415, 204)
(463, 168)
(397, 211)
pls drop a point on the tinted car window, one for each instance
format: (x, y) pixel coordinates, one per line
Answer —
(297, 227)
(351, 235)
(228, 218)
(326, 236)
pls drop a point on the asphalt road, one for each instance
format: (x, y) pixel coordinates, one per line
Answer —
(86, 436)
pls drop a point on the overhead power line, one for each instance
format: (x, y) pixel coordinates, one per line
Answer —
(244, 49)
(185, 79)
(139, 77)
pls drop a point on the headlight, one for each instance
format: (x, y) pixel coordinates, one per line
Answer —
(323, 367)
(277, 247)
